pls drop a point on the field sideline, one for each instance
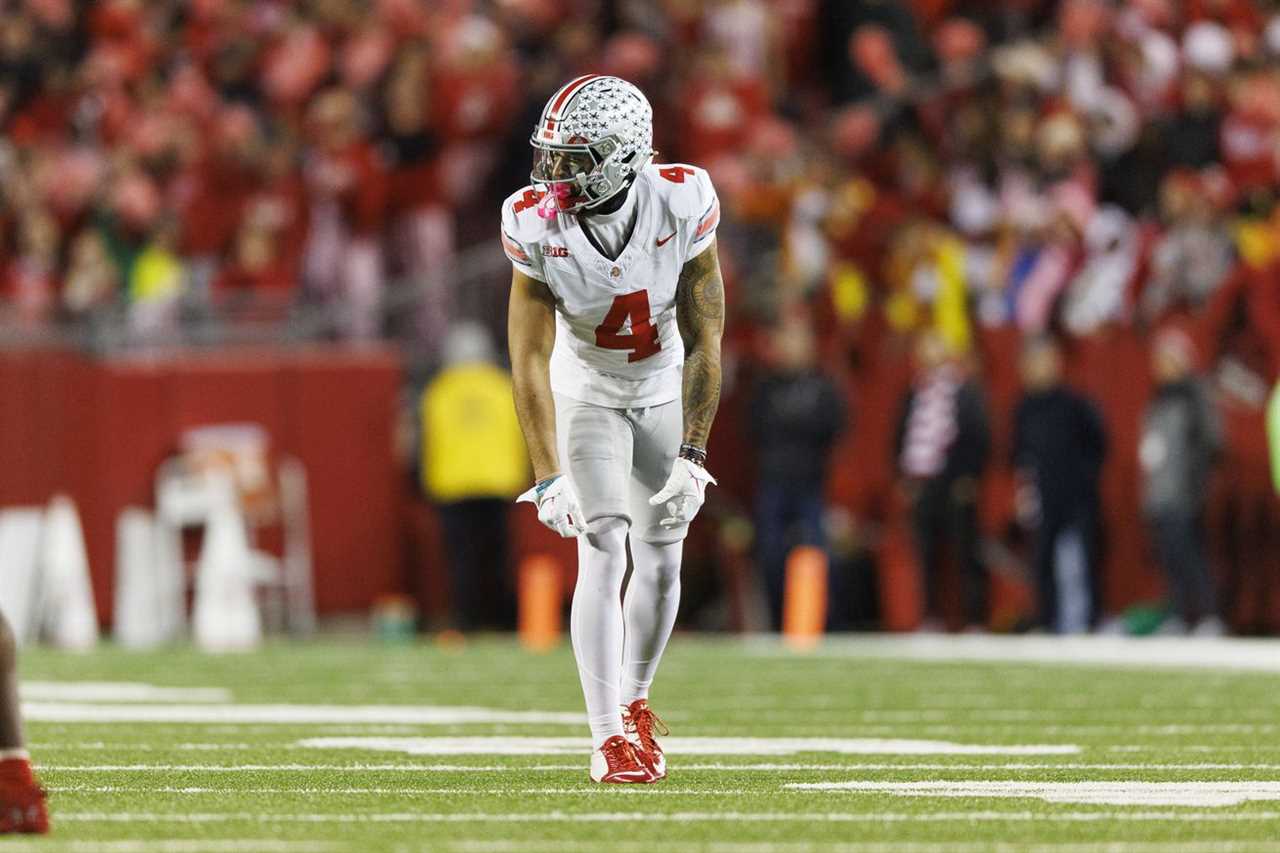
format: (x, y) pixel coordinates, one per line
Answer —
(865, 744)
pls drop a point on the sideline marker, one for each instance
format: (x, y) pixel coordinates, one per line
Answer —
(539, 599)
(804, 605)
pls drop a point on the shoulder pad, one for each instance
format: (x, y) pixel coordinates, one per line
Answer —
(520, 220)
(686, 189)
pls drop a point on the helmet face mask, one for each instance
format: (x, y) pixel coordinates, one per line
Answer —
(594, 135)
(562, 164)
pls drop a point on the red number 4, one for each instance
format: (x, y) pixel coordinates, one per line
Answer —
(642, 342)
(675, 174)
(528, 200)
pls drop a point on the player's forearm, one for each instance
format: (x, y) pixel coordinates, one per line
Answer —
(536, 411)
(701, 393)
(700, 313)
(531, 335)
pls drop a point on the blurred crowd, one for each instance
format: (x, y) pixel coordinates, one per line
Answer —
(910, 176)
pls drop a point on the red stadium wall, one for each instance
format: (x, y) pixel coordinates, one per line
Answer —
(98, 428)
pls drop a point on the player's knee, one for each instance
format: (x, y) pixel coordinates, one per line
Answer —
(608, 533)
(667, 585)
(660, 564)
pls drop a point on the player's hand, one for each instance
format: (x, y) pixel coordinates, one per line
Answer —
(684, 492)
(557, 506)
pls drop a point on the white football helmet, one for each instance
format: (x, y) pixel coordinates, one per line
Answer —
(594, 134)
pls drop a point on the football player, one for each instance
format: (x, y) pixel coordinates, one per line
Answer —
(22, 806)
(616, 315)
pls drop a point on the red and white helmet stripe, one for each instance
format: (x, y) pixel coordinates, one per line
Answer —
(557, 107)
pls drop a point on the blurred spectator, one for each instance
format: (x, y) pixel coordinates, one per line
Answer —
(473, 464)
(943, 441)
(421, 220)
(1181, 438)
(1194, 254)
(29, 278)
(263, 253)
(1190, 135)
(346, 190)
(1098, 295)
(1059, 444)
(869, 47)
(92, 280)
(796, 414)
(154, 281)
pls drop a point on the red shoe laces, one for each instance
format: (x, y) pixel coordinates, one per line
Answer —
(644, 722)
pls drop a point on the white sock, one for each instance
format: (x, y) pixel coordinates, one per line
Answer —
(595, 623)
(649, 613)
(14, 754)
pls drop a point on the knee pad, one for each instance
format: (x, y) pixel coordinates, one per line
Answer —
(609, 532)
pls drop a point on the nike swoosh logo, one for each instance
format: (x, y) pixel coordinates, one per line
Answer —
(662, 241)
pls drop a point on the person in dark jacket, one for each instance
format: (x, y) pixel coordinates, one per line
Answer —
(1181, 439)
(943, 440)
(797, 413)
(1059, 444)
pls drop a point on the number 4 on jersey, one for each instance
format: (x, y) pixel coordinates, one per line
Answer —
(642, 341)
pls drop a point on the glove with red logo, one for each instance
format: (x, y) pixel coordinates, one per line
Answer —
(557, 505)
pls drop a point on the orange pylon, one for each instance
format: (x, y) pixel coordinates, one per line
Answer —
(539, 599)
(804, 606)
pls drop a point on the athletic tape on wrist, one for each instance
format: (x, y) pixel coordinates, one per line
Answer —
(542, 485)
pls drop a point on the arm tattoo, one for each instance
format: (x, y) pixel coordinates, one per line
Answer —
(700, 316)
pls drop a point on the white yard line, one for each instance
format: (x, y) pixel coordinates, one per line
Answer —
(176, 845)
(615, 846)
(607, 790)
(97, 745)
(718, 766)
(117, 691)
(1179, 816)
(256, 768)
(1124, 652)
(1072, 765)
(1118, 793)
(1122, 793)
(77, 712)
(515, 745)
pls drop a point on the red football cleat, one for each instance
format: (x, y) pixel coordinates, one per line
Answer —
(638, 719)
(616, 762)
(22, 805)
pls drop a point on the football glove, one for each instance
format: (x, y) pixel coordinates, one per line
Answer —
(557, 506)
(684, 492)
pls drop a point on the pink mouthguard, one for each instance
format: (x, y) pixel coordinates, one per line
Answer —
(555, 200)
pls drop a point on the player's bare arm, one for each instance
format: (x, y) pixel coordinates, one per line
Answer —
(531, 333)
(700, 314)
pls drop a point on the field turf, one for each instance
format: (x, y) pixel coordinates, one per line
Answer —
(949, 744)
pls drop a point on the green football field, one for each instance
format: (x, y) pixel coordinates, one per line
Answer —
(866, 744)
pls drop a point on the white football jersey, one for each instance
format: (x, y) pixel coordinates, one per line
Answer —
(617, 343)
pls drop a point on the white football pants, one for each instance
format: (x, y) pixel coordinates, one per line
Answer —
(616, 460)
